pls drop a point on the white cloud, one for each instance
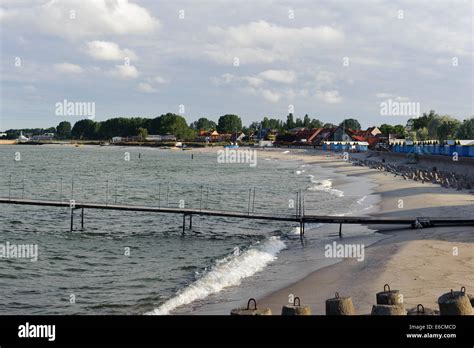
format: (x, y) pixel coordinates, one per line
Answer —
(68, 68)
(156, 79)
(146, 88)
(79, 18)
(105, 50)
(124, 72)
(270, 95)
(329, 97)
(283, 76)
(263, 42)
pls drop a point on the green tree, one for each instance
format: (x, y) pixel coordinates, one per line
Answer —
(229, 123)
(315, 123)
(306, 121)
(448, 129)
(350, 123)
(387, 129)
(171, 124)
(85, 130)
(399, 130)
(204, 124)
(142, 133)
(329, 125)
(290, 122)
(466, 129)
(63, 130)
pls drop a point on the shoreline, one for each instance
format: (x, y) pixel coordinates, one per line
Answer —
(420, 264)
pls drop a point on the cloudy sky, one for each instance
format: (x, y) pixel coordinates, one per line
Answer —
(329, 59)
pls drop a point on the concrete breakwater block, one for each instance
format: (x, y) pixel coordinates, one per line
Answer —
(381, 309)
(339, 306)
(421, 310)
(251, 311)
(469, 296)
(389, 297)
(296, 308)
(455, 303)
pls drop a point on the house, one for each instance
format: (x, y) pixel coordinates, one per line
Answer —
(116, 139)
(166, 137)
(307, 135)
(42, 137)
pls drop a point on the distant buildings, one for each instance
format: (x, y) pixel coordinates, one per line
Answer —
(43, 137)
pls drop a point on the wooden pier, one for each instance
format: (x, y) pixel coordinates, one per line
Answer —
(301, 218)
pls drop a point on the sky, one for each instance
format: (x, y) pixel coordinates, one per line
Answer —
(329, 59)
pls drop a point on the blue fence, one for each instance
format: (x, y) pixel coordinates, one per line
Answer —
(446, 150)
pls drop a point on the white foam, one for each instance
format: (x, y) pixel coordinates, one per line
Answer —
(361, 200)
(286, 151)
(324, 185)
(228, 271)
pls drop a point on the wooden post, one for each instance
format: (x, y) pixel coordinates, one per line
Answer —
(200, 200)
(107, 192)
(250, 193)
(82, 219)
(9, 188)
(190, 222)
(72, 219)
(61, 191)
(159, 195)
(253, 202)
(340, 230)
(184, 222)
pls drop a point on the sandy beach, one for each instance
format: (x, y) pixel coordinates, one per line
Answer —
(421, 263)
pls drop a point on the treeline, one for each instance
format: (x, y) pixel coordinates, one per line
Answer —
(430, 126)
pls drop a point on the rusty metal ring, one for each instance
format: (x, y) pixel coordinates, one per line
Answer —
(463, 289)
(418, 308)
(294, 301)
(336, 295)
(255, 304)
(385, 287)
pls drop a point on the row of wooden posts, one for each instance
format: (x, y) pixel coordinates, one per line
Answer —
(389, 302)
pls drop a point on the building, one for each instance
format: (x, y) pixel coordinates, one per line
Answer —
(166, 137)
(42, 137)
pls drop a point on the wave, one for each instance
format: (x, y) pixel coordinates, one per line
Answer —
(228, 271)
(324, 185)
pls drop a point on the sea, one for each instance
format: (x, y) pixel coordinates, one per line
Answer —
(126, 262)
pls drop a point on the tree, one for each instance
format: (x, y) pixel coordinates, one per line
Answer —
(399, 130)
(229, 123)
(350, 123)
(387, 129)
(142, 133)
(203, 124)
(329, 125)
(306, 121)
(466, 129)
(171, 124)
(316, 123)
(63, 130)
(448, 129)
(290, 123)
(85, 129)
